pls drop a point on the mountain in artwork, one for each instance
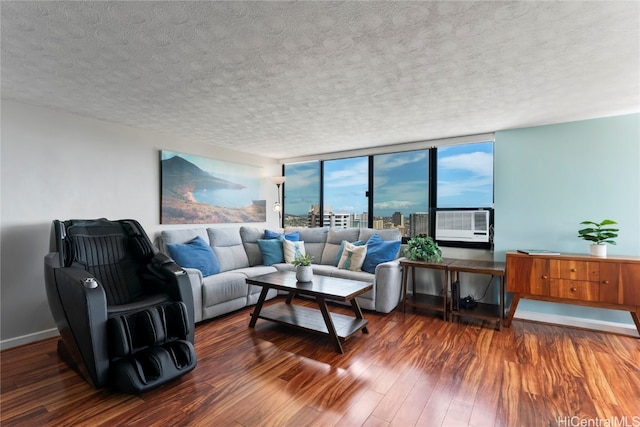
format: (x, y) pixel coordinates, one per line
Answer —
(180, 176)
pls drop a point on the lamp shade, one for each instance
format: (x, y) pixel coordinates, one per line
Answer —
(277, 180)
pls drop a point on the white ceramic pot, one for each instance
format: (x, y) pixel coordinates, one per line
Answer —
(598, 250)
(304, 273)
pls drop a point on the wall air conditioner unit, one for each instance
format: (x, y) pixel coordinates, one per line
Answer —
(463, 226)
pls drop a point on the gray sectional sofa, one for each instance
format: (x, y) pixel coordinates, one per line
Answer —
(239, 256)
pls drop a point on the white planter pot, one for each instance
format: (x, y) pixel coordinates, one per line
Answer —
(598, 250)
(304, 273)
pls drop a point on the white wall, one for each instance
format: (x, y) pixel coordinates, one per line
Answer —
(61, 166)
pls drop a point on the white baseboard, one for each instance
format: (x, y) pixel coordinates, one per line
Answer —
(579, 322)
(26, 339)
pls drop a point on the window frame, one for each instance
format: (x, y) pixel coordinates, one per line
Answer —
(432, 188)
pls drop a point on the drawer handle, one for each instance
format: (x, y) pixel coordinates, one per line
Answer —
(573, 289)
(573, 270)
(545, 277)
(606, 282)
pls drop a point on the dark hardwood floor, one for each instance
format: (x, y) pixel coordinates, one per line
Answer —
(412, 369)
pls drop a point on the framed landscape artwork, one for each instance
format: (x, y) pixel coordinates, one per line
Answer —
(198, 190)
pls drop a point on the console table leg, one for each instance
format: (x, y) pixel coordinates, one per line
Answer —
(258, 307)
(512, 308)
(635, 315)
(333, 335)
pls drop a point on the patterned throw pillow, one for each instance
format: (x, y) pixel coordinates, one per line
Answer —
(339, 254)
(352, 257)
(292, 250)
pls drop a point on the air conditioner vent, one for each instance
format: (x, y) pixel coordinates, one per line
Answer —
(462, 226)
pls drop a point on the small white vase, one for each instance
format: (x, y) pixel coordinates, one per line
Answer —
(304, 273)
(598, 250)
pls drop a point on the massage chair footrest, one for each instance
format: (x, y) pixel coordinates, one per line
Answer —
(153, 366)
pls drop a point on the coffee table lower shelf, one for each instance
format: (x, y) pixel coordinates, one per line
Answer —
(310, 319)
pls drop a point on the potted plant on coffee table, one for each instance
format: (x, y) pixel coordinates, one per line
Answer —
(599, 234)
(304, 272)
(422, 248)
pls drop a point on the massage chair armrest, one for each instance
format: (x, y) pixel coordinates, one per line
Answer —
(84, 328)
(176, 284)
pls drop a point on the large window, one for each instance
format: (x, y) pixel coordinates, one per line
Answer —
(395, 190)
(345, 184)
(465, 176)
(301, 193)
(401, 192)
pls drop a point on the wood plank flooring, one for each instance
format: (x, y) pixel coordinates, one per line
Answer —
(412, 369)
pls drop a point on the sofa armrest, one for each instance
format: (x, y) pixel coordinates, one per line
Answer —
(195, 279)
(388, 285)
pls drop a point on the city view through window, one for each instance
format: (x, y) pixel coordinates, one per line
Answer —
(400, 188)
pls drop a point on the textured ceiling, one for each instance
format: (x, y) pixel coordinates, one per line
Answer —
(288, 79)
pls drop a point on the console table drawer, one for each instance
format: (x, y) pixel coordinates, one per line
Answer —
(574, 270)
(574, 289)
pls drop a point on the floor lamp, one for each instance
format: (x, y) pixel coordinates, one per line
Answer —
(277, 206)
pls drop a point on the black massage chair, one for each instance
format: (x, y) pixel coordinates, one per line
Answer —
(123, 309)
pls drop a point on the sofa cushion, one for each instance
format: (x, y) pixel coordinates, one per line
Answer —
(250, 236)
(335, 236)
(292, 250)
(183, 236)
(379, 251)
(271, 250)
(314, 240)
(227, 245)
(226, 286)
(386, 234)
(352, 257)
(195, 254)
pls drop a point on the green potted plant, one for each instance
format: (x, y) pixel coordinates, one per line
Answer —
(422, 247)
(304, 272)
(599, 234)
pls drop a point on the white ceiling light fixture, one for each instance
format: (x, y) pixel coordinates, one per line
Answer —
(277, 206)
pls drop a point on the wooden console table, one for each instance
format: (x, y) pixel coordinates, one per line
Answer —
(612, 282)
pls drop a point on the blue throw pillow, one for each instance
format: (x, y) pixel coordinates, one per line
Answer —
(272, 252)
(293, 236)
(195, 254)
(379, 251)
(339, 255)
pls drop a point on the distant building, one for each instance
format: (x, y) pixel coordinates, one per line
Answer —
(419, 223)
(398, 219)
(360, 220)
(378, 224)
(329, 218)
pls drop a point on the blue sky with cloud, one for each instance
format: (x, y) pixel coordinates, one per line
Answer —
(465, 179)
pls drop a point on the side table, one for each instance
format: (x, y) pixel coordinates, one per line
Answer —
(482, 310)
(425, 301)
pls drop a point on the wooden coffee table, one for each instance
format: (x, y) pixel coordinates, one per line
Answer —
(322, 288)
